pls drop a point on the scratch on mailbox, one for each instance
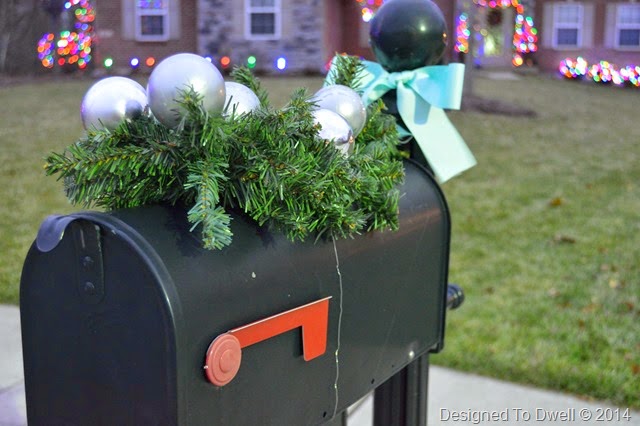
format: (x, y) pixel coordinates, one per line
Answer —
(335, 384)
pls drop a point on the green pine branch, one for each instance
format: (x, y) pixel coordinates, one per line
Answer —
(283, 171)
(205, 178)
(116, 177)
(347, 71)
(270, 164)
(244, 76)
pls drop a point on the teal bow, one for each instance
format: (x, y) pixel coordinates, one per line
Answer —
(421, 96)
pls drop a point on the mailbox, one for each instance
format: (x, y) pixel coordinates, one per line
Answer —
(127, 320)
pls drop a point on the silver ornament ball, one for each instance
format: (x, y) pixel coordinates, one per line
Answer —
(240, 99)
(344, 101)
(178, 74)
(334, 128)
(110, 101)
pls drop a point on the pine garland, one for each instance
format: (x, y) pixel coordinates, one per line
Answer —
(270, 164)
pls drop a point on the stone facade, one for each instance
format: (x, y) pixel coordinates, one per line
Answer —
(115, 37)
(221, 32)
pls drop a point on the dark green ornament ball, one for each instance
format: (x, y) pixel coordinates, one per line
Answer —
(408, 34)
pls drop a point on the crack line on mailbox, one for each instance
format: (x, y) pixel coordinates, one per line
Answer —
(335, 384)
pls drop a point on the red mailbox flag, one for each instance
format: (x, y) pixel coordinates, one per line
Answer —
(225, 352)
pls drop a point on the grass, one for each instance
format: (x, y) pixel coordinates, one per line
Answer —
(545, 241)
(545, 228)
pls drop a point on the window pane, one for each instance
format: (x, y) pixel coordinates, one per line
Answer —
(568, 13)
(629, 14)
(263, 3)
(630, 37)
(263, 23)
(152, 25)
(567, 37)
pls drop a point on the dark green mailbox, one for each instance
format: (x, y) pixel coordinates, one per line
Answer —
(127, 320)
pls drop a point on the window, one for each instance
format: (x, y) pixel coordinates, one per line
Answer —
(567, 25)
(628, 26)
(152, 20)
(262, 19)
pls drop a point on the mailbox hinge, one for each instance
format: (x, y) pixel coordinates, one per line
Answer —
(88, 245)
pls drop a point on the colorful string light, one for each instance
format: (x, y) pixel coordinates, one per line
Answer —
(45, 50)
(631, 75)
(369, 8)
(281, 63)
(600, 72)
(493, 4)
(72, 47)
(462, 34)
(571, 68)
(525, 37)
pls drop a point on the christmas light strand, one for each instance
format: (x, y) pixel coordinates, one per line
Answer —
(600, 72)
(369, 8)
(71, 47)
(281, 63)
(462, 34)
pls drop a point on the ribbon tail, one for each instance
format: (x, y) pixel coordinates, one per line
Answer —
(443, 146)
(440, 142)
(456, 83)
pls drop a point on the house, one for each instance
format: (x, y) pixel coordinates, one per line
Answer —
(269, 35)
(596, 30)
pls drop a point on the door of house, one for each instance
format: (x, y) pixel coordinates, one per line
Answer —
(494, 41)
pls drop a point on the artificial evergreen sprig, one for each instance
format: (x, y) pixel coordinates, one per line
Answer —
(376, 153)
(244, 76)
(103, 171)
(204, 179)
(347, 71)
(284, 175)
(270, 163)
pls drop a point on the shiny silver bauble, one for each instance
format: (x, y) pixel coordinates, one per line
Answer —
(110, 101)
(240, 99)
(344, 101)
(178, 74)
(335, 129)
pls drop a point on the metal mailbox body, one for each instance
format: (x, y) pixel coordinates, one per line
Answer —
(118, 313)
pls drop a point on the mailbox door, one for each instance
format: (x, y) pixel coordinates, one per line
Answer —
(98, 338)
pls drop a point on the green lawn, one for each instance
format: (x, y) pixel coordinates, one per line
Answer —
(546, 241)
(545, 228)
